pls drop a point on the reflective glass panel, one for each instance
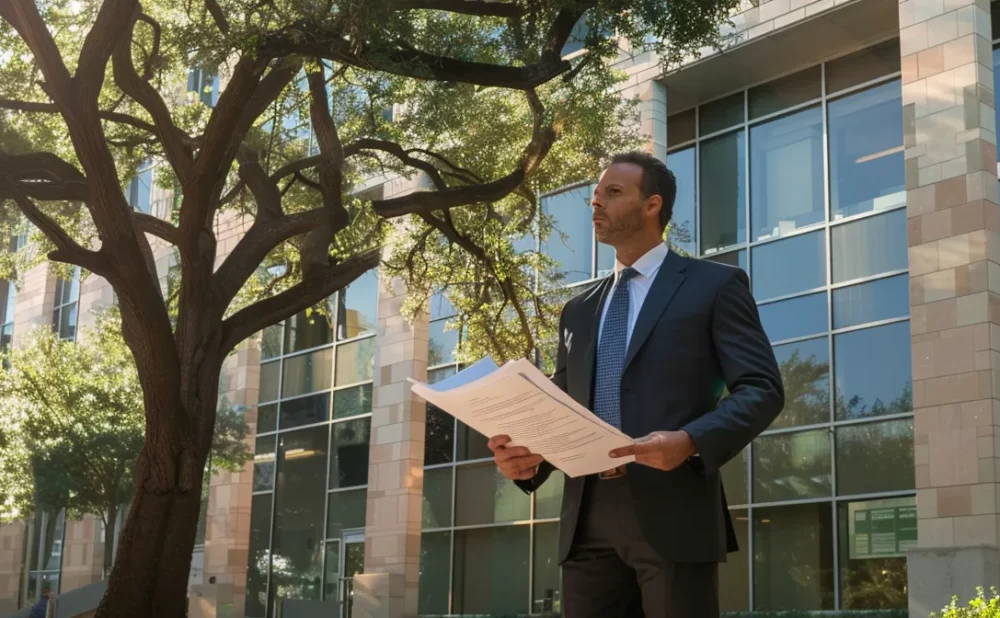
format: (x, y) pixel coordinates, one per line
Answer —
(258, 554)
(786, 174)
(345, 511)
(546, 596)
(722, 187)
(357, 305)
(307, 330)
(734, 478)
(733, 258)
(440, 307)
(548, 497)
(439, 437)
(349, 453)
(789, 266)
(486, 497)
(305, 411)
(263, 464)
(352, 401)
(734, 573)
(867, 166)
(55, 526)
(784, 92)
(681, 234)
(270, 345)
(873, 301)
(307, 373)
(267, 418)
(331, 583)
(681, 128)
(793, 557)
(437, 498)
(298, 514)
(355, 361)
(796, 317)
(269, 379)
(435, 567)
(805, 371)
(873, 372)
(868, 247)
(443, 343)
(875, 457)
(471, 444)
(791, 466)
(721, 114)
(571, 241)
(480, 590)
(874, 537)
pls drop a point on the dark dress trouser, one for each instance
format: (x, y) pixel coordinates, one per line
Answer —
(611, 572)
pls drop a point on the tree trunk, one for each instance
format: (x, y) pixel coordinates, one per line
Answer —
(109, 539)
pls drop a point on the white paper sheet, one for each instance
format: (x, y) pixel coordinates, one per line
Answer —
(519, 401)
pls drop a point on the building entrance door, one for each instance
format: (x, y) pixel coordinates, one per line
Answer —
(350, 562)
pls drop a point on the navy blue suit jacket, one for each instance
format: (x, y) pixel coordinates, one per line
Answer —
(698, 332)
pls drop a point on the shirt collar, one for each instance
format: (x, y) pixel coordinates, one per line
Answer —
(648, 264)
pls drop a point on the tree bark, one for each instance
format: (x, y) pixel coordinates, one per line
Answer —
(109, 538)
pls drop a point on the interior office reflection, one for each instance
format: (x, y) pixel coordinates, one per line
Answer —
(801, 182)
(311, 456)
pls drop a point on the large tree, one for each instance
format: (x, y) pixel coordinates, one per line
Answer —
(488, 112)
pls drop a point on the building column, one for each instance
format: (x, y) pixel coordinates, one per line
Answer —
(954, 260)
(653, 118)
(388, 587)
(12, 539)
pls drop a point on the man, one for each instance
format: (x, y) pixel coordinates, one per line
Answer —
(649, 350)
(40, 609)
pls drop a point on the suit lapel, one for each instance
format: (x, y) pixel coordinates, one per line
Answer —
(665, 285)
(588, 335)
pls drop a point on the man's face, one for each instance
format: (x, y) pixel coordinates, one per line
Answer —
(619, 211)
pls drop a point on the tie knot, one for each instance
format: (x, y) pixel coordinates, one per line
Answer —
(627, 273)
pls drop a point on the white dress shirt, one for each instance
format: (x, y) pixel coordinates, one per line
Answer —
(638, 287)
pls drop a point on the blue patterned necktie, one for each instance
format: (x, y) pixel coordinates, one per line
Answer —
(611, 354)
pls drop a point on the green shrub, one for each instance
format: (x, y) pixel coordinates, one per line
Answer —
(979, 607)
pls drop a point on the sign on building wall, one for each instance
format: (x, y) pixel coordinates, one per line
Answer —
(883, 532)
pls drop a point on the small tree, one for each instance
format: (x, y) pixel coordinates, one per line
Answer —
(73, 427)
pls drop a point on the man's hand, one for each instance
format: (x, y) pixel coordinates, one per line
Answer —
(516, 462)
(663, 450)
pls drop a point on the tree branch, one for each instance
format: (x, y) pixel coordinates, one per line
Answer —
(218, 15)
(113, 23)
(23, 15)
(468, 7)
(311, 290)
(173, 139)
(43, 176)
(51, 108)
(157, 227)
(147, 65)
(562, 27)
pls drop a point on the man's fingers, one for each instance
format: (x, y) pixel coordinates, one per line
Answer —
(497, 442)
(507, 453)
(624, 451)
(642, 446)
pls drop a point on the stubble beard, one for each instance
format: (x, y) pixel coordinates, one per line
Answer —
(620, 230)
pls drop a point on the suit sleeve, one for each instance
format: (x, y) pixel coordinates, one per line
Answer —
(545, 469)
(756, 393)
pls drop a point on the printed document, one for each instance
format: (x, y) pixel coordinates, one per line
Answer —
(519, 401)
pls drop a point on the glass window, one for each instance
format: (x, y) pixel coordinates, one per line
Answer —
(443, 343)
(869, 247)
(306, 330)
(67, 322)
(873, 301)
(571, 241)
(305, 411)
(358, 307)
(298, 514)
(875, 457)
(796, 317)
(140, 190)
(681, 128)
(437, 498)
(681, 235)
(722, 187)
(269, 379)
(435, 567)
(867, 166)
(353, 401)
(793, 557)
(734, 573)
(734, 479)
(307, 373)
(355, 362)
(605, 259)
(791, 466)
(548, 497)
(785, 92)
(478, 590)
(331, 584)
(721, 114)
(270, 345)
(874, 537)
(733, 258)
(439, 437)
(487, 497)
(263, 464)
(349, 453)
(267, 418)
(863, 66)
(789, 266)
(51, 558)
(805, 371)
(786, 174)
(873, 372)
(546, 584)
(441, 307)
(258, 555)
(345, 511)
(471, 443)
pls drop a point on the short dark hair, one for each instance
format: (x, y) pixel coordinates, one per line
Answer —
(656, 180)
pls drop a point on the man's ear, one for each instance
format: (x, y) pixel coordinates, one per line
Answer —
(654, 204)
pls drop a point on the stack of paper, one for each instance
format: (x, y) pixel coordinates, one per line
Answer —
(519, 401)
